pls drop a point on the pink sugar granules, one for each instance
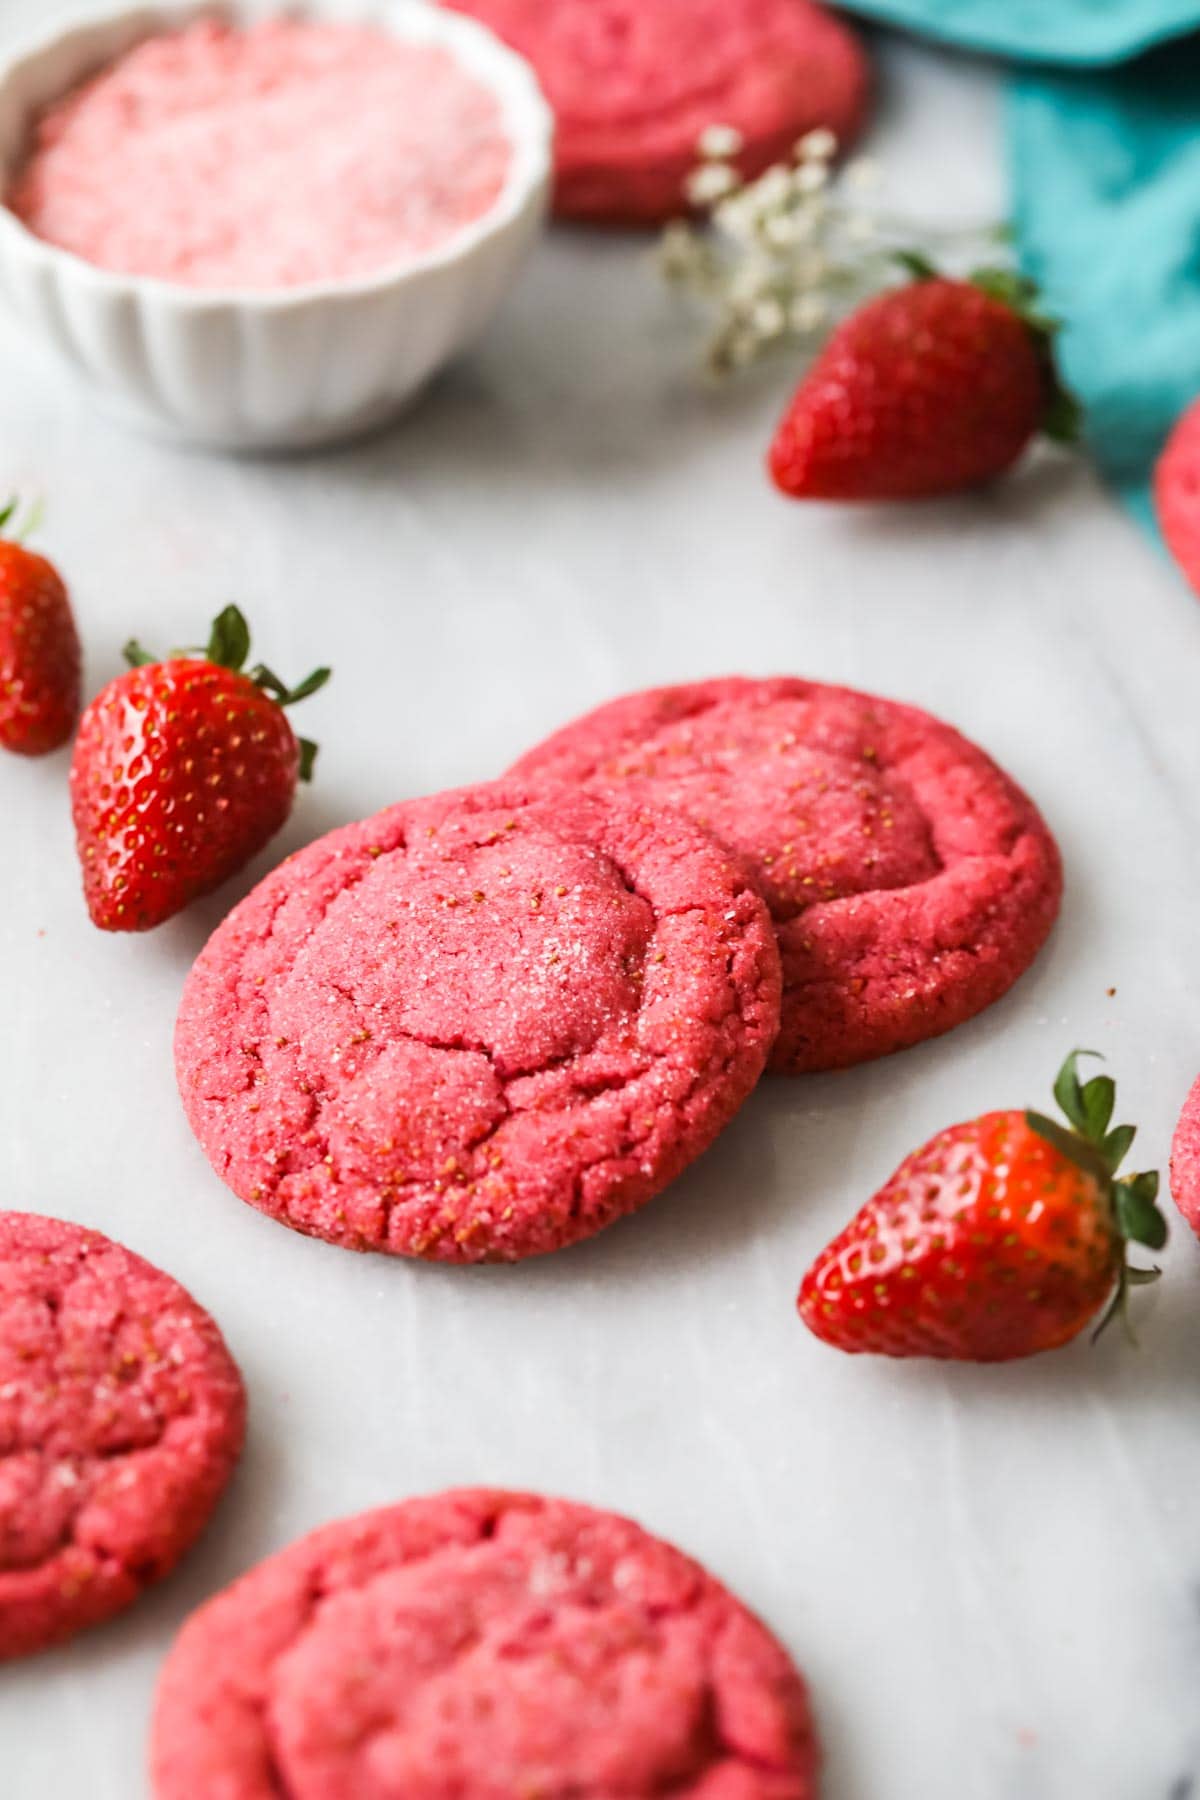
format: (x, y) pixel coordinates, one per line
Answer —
(264, 158)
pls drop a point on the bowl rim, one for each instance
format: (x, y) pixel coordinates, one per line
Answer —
(526, 115)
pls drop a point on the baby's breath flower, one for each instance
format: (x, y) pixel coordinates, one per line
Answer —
(734, 216)
(807, 312)
(783, 231)
(778, 259)
(678, 251)
(732, 349)
(810, 177)
(817, 146)
(710, 182)
(771, 189)
(719, 142)
(689, 260)
(750, 280)
(768, 318)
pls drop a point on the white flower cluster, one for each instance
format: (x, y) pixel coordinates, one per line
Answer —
(779, 258)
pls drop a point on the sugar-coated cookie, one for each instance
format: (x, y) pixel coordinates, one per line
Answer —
(911, 882)
(481, 1026)
(480, 1644)
(1185, 1161)
(121, 1417)
(1177, 494)
(634, 84)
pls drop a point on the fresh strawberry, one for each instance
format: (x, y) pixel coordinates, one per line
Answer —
(928, 388)
(39, 649)
(1177, 494)
(182, 771)
(1002, 1237)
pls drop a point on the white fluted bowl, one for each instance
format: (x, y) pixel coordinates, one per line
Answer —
(286, 367)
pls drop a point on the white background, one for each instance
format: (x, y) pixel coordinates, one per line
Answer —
(991, 1577)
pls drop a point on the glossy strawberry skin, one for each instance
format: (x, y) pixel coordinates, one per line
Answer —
(182, 771)
(40, 661)
(925, 390)
(987, 1244)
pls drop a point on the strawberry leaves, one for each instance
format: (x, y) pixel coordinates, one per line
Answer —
(917, 264)
(1087, 1105)
(23, 529)
(270, 683)
(1116, 1145)
(1138, 1214)
(1099, 1147)
(228, 647)
(1062, 417)
(229, 640)
(1084, 1155)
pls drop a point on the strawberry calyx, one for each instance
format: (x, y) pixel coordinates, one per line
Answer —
(1094, 1144)
(228, 647)
(1062, 417)
(23, 529)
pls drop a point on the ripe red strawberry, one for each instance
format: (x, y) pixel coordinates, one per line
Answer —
(1177, 493)
(926, 389)
(39, 650)
(182, 771)
(1002, 1237)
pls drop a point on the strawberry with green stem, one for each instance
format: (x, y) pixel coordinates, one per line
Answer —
(40, 660)
(183, 770)
(927, 389)
(1002, 1237)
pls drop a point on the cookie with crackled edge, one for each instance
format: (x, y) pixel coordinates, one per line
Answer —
(481, 1026)
(1177, 493)
(1185, 1160)
(910, 880)
(481, 1643)
(634, 85)
(122, 1415)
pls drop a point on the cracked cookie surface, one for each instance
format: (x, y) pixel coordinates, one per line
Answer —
(481, 1026)
(634, 86)
(1185, 1160)
(910, 881)
(121, 1417)
(484, 1644)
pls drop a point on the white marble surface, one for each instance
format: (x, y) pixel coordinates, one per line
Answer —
(992, 1577)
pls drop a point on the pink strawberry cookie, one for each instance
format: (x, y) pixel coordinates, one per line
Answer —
(1185, 1161)
(910, 881)
(479, 1027)
(634, 86)
(121, 1417)
(482, 1644)
(1177, 494)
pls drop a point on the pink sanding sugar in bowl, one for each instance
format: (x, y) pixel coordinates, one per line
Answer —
(268, 157)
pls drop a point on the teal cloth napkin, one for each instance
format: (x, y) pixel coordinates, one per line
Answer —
(1105, 170)
(1106, 202)
(1075, 32)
